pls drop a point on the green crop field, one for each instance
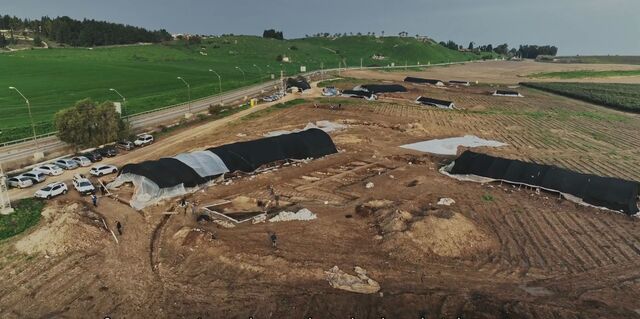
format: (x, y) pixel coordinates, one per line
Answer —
(624, 97)
(599, 59)
(585, 74)
(146, 75)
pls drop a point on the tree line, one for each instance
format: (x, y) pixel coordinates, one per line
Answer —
(524, 51)
(273, 34)
(82, 33)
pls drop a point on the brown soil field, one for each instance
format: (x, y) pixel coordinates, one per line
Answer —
(498, 252)
(502, 72)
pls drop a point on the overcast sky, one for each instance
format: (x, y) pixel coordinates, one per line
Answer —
(575, 26)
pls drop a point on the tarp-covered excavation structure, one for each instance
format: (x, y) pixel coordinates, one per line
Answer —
(169, 177)
(506, 93)
(435, 102)
(359, 94)
(412, 79)
(301, 83)
(381, 88)
(602, 192)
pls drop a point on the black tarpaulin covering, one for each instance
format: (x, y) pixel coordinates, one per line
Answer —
(357, 93)
(248, 156)
(505, 92)
(165, 172)
(608, 192)
(300, 83)
(411, 79)
(384, 88)
(241, 156)
(433, 102)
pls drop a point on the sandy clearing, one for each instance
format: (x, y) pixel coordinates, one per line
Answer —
(501, 72)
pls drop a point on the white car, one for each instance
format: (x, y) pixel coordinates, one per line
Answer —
(142, 140)
(19, 182)
(101, 170)
(66, 163)
(49, 169)
(83, 185)
(35, 176)
(82, 161)
(52, 190)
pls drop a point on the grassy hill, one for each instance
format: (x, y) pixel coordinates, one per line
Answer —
(53, 79)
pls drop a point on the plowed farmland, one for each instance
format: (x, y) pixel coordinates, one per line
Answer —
(498, 252)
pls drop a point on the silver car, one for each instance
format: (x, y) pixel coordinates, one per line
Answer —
(66, 163)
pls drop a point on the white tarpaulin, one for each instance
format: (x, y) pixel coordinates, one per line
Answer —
(449, 146)
(205, 163)
(326, 126)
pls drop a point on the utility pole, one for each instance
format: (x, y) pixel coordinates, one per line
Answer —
(284, 88)
(219, 83)
(5, 202)
(33, 125)
(188, 92)
(124, 101)
(244, 78)
(360, 63)
(322, 71)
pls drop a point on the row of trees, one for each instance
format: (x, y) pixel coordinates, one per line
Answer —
(83, 33)
(273, 34)
(524, 51)
(533, 51)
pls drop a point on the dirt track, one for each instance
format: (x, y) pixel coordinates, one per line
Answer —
(539, 257)
(503, 72)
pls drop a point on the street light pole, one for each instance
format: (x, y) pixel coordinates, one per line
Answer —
(124, 102)
(259, 69)
(188, 92)
(33, 125)
(244, 78)
(219, 83)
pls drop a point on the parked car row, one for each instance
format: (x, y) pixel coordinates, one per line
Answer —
(82, 184)
(274, 97)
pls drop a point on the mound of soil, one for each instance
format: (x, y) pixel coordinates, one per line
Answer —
(441, 233)
(63, 228)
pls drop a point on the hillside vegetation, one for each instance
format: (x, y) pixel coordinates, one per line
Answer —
(53, 79)
(624, 97)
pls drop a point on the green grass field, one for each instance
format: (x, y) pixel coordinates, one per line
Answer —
(27, 213)
(600, 59)
(53, 79)
(624, 97)
(585, 74)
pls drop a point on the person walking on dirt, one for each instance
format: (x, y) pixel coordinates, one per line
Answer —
(274, 239)
(119, 227)
(103, 190)
(94, 199)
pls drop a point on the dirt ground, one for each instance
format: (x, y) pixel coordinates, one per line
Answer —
(497, 252)
(502, 72)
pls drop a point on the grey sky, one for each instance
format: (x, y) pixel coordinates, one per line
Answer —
(575, 26)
